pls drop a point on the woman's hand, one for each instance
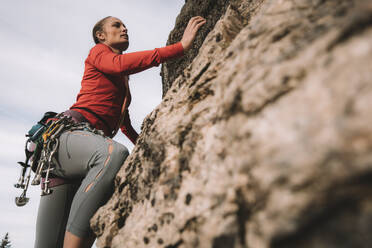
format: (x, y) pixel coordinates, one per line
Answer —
(191, 30)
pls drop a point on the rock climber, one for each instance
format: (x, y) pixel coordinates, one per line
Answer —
(86, 158)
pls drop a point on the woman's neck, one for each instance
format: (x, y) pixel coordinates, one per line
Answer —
(115, 50)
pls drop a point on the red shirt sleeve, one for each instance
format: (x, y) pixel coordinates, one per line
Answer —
(106, 61)
(127, 128)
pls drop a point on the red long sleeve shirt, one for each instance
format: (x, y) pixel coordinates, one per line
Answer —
(104, 87)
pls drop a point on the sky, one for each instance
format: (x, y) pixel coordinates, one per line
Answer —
(43, 47)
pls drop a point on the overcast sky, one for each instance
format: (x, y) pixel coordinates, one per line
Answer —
(43, 47)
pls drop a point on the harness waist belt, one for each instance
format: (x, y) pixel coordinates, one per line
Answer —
(96, 115)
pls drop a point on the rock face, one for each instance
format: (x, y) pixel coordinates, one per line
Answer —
(263, 137)
(211, 10)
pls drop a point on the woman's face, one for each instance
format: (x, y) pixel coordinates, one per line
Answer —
(114, 34)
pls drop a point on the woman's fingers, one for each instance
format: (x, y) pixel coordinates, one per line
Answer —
(194, 20)
(191, 30)
(199, 24)
(195, 17)
(197, 21)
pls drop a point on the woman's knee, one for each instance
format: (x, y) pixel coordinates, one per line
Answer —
(115, 154)
(110, 156)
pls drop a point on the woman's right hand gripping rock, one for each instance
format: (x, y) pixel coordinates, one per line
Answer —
(191, 30)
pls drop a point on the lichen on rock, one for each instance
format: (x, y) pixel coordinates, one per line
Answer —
(263, 137)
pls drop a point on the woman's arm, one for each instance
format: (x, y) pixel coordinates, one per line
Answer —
(105, 60)
(127, 128)
(109, 62)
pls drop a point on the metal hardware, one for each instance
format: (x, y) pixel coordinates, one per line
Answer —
(50, 143)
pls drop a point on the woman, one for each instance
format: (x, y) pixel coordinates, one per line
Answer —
(88, 162)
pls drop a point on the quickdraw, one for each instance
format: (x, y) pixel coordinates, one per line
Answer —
(47, 143)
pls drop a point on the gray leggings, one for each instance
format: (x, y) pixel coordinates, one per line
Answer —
(92, 161)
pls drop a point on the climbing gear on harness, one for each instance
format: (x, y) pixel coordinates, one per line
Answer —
(45, 134)
(22, 199)
(33, 135)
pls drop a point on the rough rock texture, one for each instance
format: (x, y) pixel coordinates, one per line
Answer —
(211, 10)
(263, 140)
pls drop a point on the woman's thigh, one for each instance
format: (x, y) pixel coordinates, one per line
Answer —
(76, 153)
(95, 160)
(53, 215)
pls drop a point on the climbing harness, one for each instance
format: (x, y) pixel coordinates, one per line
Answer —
(45, 135)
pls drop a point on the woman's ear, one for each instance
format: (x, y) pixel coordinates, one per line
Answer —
(101, 36)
